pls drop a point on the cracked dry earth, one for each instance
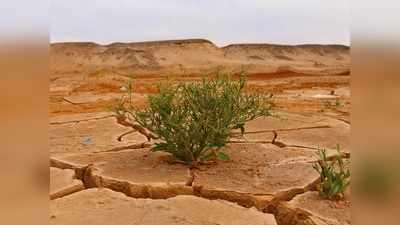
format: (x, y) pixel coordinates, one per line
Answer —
(97, 179)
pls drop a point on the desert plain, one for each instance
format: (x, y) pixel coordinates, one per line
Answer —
(98, 178)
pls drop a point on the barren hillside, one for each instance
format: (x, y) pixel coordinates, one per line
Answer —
(196, 56)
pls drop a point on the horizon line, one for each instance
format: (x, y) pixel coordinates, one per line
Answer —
(197, 39)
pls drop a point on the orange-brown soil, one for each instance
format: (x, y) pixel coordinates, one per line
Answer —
(311, 93)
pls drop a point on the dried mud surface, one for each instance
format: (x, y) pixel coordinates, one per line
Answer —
(98, 179)
(95, 206)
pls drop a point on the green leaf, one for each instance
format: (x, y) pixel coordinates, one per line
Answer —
(334, 176)
(335, 189)
(222, 156)
(207, 156)
(159, 147)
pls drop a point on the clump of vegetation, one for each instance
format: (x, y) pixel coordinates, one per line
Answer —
(335, 178)
(332, 104)
(192, 121)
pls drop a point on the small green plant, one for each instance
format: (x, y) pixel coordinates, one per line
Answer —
(192, 121)
(333, 174)
(332, 104)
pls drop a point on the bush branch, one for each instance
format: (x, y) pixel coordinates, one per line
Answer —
(121, 119)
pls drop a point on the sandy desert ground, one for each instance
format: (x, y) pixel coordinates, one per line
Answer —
(97, 179)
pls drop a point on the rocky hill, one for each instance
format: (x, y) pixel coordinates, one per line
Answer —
(196, 56)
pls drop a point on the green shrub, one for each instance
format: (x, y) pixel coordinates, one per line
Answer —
(192, 121)
(333, 174)
(332, 104)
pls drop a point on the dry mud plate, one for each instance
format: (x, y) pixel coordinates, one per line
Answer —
(95, 206)
(314, 210)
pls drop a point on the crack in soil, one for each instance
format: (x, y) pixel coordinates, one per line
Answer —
(79, 172)
(289, 215)
(344, 155)
(83, 120)
(68, 101)
(267, 203)
(191, 179)
(285, 129)
(119, 138)
(286, 215)
(68, 190)
(274, 142)
(338, 118)
(122, 148)
(343, 120)
(123, 120)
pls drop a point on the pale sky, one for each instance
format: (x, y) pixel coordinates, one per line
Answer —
(220, 21)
